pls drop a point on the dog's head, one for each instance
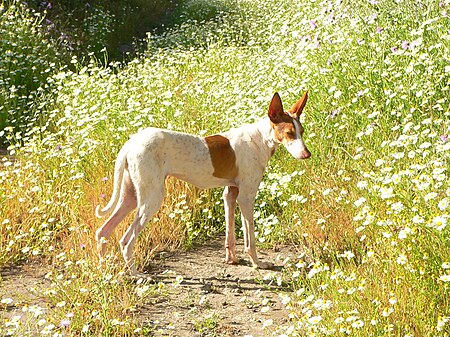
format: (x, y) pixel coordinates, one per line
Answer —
(286, 126)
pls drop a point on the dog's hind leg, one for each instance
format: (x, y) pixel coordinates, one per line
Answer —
(127, 202)
(148, 203)
(229, 197)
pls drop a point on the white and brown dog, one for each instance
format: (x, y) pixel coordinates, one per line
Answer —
(235, 159)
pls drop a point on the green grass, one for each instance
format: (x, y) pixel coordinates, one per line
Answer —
(207, 325)
(369, 209)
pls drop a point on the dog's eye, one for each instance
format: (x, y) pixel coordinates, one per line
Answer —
(289, 134)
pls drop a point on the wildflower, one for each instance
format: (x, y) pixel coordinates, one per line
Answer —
(417, 219)
(313, 24)
(339, 320)
(444, 138)
(405, 45)
(314, 320)
(397, 207)
(386, 192)
(387, 312)
(116, 321)
(348, 254)
(300, 291)
(404, 233)
(362, 184)
(439, 223)
(267, 323)
(360, 201)
(285, 300)
(334, 113)
(446, 265)
(398, 155)
(379, 162)
(445, 278)
(443, 204)
(178, 280)
(314, 270)
(402, 259)
(358, 324)
(65, 323)
(36, 310)
(47, 329)
(392, 300)
(430, 196)
(441, 322)
(6, 301)
(61, 304)
(425, 145)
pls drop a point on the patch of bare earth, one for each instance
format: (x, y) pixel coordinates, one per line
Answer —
(205, 296)
(213, 298)
(25, 284)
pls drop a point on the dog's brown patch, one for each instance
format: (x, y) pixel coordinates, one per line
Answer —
(222, 156)
(284, 128)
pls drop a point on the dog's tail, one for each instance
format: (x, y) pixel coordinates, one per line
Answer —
(119, 167)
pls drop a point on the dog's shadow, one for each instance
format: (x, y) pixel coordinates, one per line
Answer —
(212, 284)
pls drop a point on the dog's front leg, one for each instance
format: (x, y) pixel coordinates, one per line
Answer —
(229, 198)
(246, 204)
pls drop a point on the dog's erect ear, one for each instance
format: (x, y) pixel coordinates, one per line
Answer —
(297, 108)
(275, 108)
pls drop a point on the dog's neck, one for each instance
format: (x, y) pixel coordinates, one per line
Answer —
(264, 127)
(263, 138)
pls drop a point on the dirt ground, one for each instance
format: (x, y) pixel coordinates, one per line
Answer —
(211, 299)
(215, 299)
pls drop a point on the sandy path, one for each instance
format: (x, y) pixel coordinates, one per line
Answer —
(234, 299)
(211, 298)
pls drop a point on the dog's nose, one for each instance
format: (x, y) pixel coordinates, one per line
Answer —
(306, 154)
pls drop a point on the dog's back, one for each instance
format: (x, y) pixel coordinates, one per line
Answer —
(170, 153)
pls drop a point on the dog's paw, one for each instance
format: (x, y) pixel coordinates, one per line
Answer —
(231, 260)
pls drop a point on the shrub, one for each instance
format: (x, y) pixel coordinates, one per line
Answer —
(29, 57)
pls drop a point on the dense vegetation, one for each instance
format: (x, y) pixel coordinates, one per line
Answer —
(38, 40)
(369, 211)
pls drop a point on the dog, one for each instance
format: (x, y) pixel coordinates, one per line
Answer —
(235, 160)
